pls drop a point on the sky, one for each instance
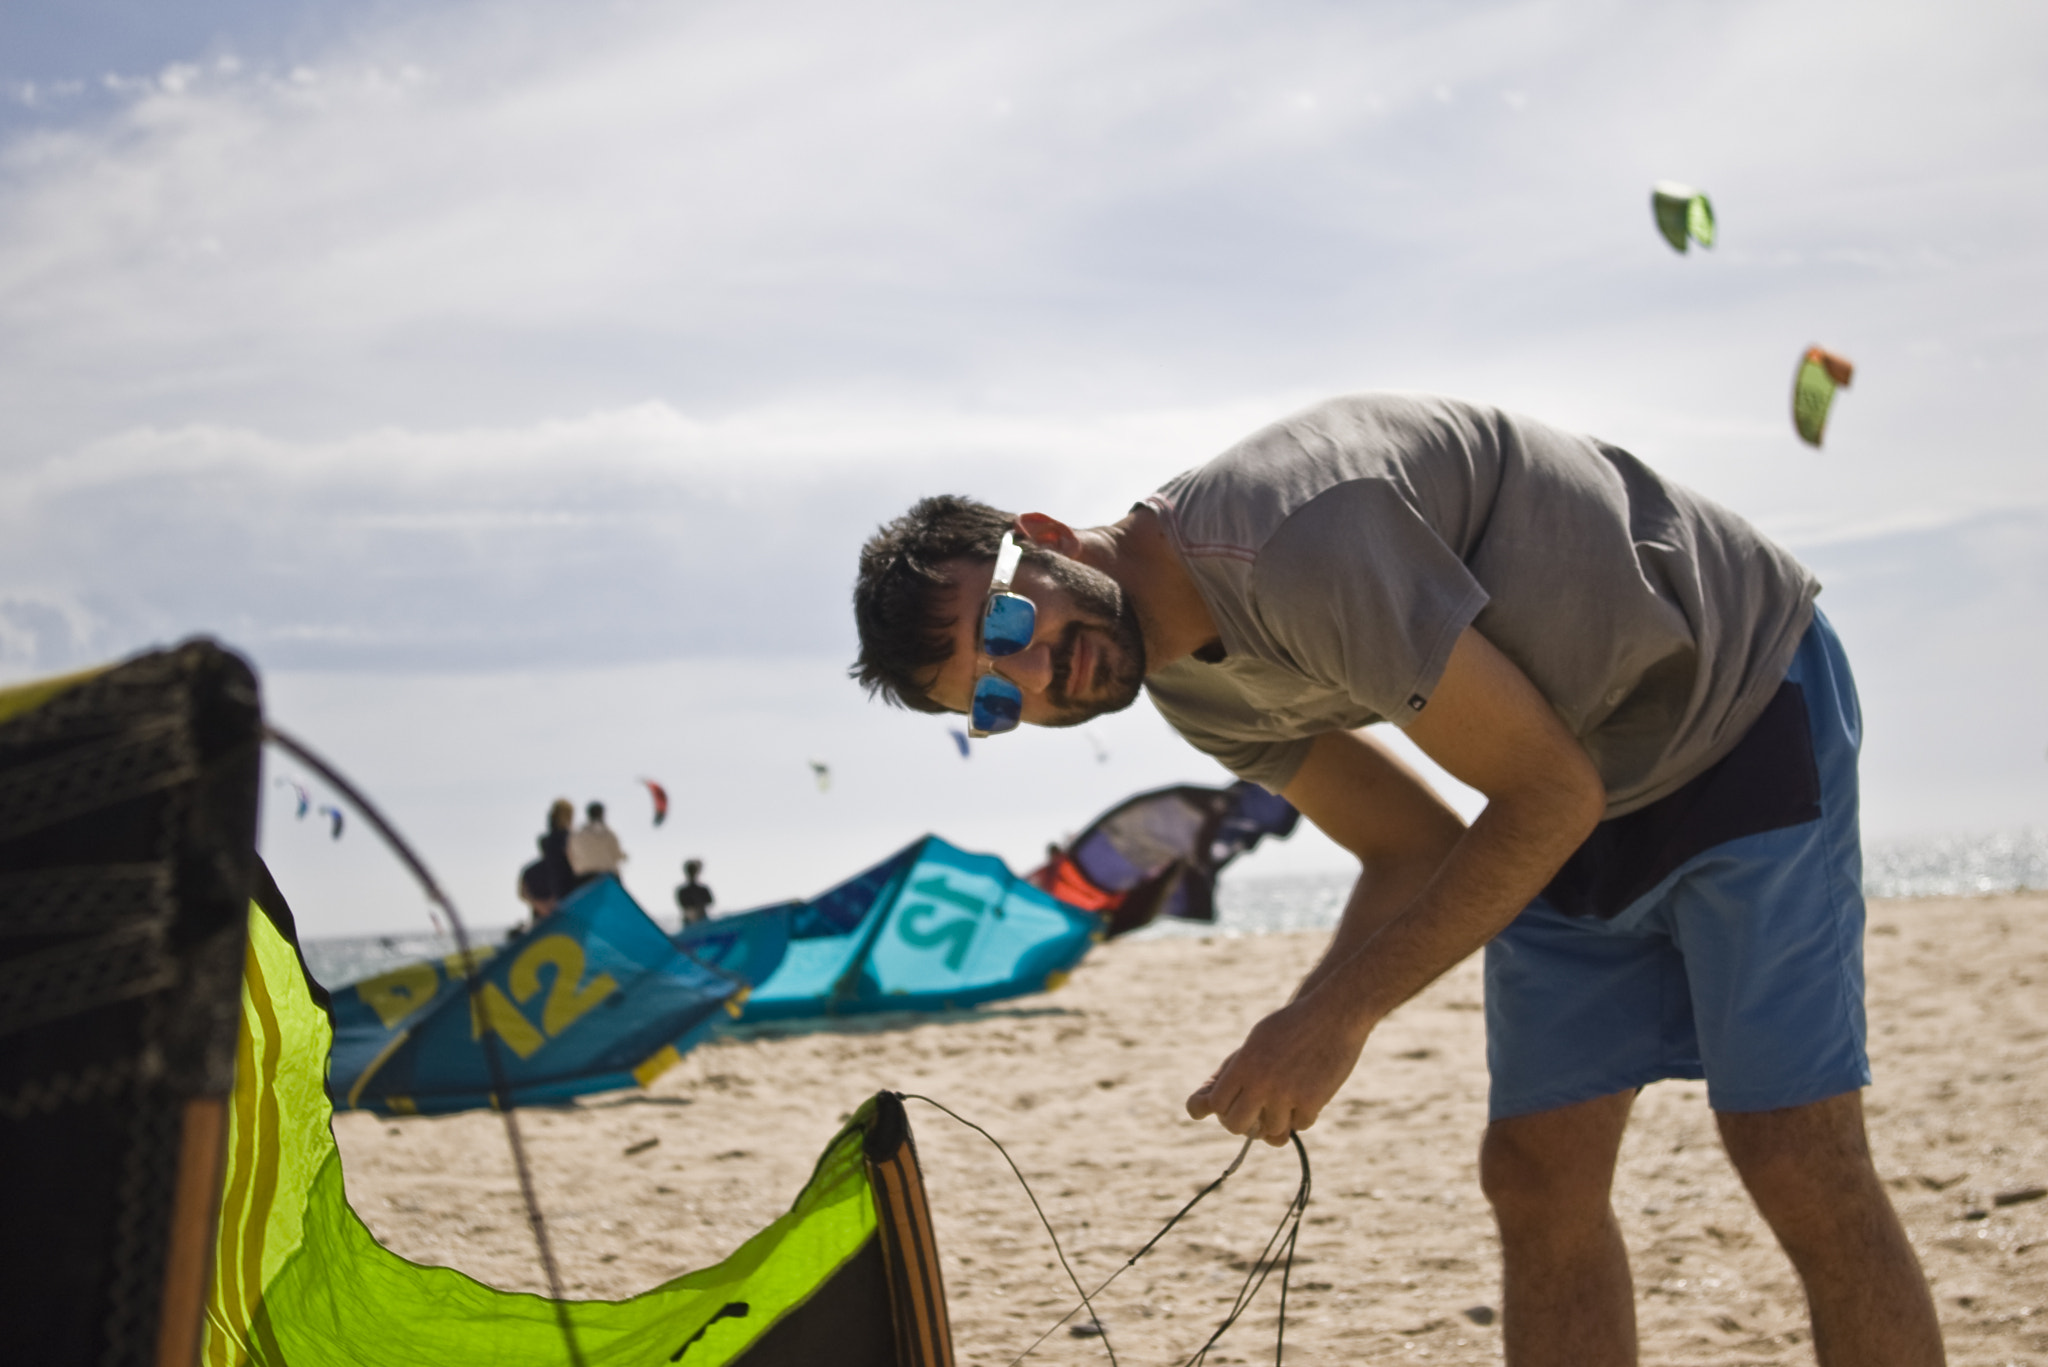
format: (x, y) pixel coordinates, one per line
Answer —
(514, 383)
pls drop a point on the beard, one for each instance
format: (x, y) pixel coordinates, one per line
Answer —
(1106, 618)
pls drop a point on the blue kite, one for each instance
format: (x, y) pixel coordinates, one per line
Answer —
(593, 998)
(931, 928)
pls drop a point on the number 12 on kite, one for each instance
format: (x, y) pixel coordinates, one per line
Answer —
(569, 995)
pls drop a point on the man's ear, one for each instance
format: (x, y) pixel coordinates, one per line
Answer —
(1047, 533)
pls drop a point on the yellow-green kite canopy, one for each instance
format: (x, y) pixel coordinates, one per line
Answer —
(299, 1280)
(1813, 389)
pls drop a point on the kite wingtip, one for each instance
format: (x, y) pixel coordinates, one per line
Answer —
(1840, 369)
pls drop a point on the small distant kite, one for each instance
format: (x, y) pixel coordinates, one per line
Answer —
(823, 774)
(959, 739)
(333, 814)
(1813, 389)
(299, 790)
(1101, 755)
(1683, 214)
(660, 796)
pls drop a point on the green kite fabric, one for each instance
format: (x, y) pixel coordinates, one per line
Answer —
(1684, 215)
(300, 1280)
(1813, 391)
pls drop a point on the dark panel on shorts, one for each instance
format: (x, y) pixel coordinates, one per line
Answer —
(1766, 783)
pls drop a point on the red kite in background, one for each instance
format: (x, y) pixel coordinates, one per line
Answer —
(660, 796)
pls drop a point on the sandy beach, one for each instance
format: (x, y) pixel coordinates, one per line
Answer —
(1397, 1261)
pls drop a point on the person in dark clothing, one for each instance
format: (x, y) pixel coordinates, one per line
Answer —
(548, 879)
(692, 896)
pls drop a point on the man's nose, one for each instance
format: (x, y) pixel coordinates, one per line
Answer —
(1030, 668)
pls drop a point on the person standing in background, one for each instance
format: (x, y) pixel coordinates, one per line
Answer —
(692, 897)
(593, 849)
(548, 879)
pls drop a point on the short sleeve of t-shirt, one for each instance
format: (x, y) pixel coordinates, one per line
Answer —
(1359, 591)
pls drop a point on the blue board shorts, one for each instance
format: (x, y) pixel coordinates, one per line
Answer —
(1741, 961)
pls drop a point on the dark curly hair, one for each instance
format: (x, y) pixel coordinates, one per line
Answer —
(902, 638)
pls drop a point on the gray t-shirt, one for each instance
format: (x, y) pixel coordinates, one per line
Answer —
(1341, 551)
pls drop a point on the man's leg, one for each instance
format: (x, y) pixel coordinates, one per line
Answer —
(1809, 1170)
(1566, 1294)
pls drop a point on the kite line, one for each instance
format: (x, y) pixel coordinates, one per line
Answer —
(501, 1093)
(1283, 1239)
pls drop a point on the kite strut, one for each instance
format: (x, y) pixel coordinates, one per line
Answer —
(501, 1094)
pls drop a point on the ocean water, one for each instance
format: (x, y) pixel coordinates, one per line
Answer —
(1957, 866)
(337, 961)
(1946, 866)
(1942, 866)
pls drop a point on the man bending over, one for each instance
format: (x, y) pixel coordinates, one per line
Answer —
(1666, 876)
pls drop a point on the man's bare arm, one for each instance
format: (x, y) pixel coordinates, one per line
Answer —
(1488, 726)
(1363, 796)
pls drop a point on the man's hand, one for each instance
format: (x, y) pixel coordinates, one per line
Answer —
(1283, 1075)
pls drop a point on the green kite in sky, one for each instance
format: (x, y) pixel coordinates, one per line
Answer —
(1813, 390)
(1683, 214)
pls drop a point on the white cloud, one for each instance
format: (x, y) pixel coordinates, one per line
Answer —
(498, 205)
(627, 535)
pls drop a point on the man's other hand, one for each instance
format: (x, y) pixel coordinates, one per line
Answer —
(1282, 1076)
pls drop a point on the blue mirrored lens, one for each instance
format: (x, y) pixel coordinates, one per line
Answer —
(998, 705)
(1008, 625)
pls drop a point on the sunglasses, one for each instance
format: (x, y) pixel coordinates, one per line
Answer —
(1008, 622)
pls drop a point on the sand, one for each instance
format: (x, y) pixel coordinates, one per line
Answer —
(1398, 1259)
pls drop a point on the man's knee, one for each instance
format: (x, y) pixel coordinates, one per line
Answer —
(1805, 1164)
(1550, 1166)
(1525, 1177)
